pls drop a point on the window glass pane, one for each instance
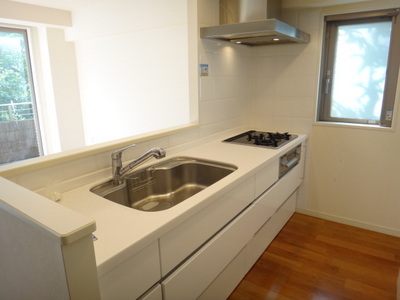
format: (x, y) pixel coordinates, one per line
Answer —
(358, 77)
(19, 138)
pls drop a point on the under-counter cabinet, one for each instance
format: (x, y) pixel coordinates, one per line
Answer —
(155, 293)
(132, 277)
(183, 240)
(202, 270)
(214, 270)
(207, 255)
(231, 276)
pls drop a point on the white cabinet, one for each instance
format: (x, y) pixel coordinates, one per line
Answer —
(192, 278)
(132, 277)
(269, 202)
(155, 293)
(213, 271)
(266, 177)
(228, 279)
(207, 255)
(231, 276)
(180, 242)
(269, 231)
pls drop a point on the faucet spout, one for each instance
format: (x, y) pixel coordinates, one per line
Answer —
(119, 170)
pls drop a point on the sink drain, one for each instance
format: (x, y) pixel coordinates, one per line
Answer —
(150, 205)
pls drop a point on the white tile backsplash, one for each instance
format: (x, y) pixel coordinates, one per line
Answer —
(206, 87)
(285, 80)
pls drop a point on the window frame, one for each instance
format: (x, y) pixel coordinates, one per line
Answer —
(24, 31)
(328, 54)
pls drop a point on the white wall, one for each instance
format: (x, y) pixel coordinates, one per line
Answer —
(223, 105)
(352, 172)
(133, 67)
(110, 73)
(66, 96)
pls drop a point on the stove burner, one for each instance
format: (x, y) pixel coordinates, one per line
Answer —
(267, 138)
(259, 138)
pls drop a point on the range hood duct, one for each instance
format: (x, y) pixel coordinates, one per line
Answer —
(253, 23)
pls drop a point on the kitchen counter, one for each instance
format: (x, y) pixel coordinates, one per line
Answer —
(123, 231)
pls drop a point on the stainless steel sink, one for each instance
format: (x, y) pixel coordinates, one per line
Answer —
(163, 185)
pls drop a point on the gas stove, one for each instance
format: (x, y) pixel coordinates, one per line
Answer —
(272, 140)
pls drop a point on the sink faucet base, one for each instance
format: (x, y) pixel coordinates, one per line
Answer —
(118, 170)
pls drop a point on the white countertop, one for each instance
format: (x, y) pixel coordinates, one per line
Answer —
(123, 231)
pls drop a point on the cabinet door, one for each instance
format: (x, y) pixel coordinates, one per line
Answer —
(132, 277)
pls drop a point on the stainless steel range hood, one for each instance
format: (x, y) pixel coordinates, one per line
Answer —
(253, 23)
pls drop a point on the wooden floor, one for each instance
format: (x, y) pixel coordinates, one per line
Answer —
(318, 259)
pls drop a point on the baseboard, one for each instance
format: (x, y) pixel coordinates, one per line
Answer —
(355, 223)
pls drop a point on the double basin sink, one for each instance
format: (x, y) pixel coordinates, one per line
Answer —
(164, 185)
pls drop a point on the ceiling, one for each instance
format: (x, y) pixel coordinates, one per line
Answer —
(61, 4)
(74, 4)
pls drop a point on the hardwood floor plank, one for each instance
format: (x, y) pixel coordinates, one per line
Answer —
(312, 258)
(368, 290)
(355, 245)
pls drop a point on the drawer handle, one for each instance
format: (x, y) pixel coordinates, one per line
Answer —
(290, 162)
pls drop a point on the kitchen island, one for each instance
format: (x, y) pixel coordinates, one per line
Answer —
(125, 236)
(205, 243)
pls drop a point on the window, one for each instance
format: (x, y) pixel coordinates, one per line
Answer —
(19, 130)
(360, 68)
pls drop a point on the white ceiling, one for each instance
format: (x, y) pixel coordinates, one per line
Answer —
(73, 4)
(60, 4)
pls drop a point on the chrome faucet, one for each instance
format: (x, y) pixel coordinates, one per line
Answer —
(118, 171)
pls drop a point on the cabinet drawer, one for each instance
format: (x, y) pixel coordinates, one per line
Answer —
(154, 294)
(133, 277)
(192, 278)
(199, 271)
(269, 231)
(230, 277)
(272, 199)
(180, 242)
(227, 281)
(266, 177)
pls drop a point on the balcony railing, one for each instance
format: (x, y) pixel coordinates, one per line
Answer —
(16, 111)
